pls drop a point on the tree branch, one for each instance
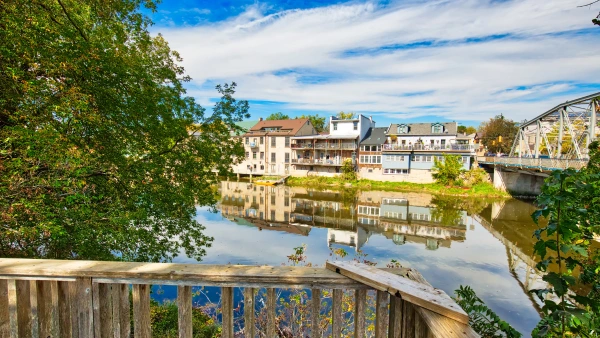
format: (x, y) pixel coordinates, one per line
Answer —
(71, 20)
(591, 3)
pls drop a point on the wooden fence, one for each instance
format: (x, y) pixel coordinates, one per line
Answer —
(81, 299)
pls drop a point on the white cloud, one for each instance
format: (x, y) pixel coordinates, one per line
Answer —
(464, 76)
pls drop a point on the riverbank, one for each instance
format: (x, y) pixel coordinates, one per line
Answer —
(478, 190)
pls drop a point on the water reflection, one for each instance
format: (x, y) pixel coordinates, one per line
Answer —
(451, 241)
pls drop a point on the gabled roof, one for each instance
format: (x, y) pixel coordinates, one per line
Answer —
(375, 136)
(422, 129)
(286, 127)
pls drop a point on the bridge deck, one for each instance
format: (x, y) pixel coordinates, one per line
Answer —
(542, 164)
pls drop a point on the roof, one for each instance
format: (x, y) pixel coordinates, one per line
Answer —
(422, 129)
(325, 137)
(245, 125)
(375, 136)
(286, 127)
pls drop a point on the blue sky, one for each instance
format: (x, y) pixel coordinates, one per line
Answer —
(413, 61)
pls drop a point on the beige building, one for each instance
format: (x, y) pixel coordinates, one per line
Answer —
(267, 146)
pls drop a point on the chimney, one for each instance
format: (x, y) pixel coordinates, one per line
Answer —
(260, 119)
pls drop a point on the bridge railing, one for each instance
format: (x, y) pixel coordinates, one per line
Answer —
(534, 163)
(54, 298)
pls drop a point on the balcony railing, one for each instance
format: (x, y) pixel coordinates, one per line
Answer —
(302, 145)
(85, 299)
(429, 147)
(253, 144)
(534, 163)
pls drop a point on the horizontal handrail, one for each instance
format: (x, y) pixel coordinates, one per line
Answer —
(536, 163)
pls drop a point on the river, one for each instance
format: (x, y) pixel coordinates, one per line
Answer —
(451, 241)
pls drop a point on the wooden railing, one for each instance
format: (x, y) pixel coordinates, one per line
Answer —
(534, 163)
(54, 298)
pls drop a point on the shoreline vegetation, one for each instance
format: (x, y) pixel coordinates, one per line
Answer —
(484, 189)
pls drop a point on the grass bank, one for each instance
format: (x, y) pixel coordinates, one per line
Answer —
(320, 182)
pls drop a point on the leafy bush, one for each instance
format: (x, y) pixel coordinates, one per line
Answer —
(448, 170)
(348, 172)
(483, 320)
(474, 176)
(164, 319)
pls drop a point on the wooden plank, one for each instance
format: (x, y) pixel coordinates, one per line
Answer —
(47, 323)
(408, 325)
(123, 308)
(360, 307)
(34, 309)
(83, 309)
(336, 313)
(271, 309)
(24, 311)
(12, 308)
(227, 312)
(105, 310)
(64, 309)
(420, 327)
(180, 274)
(249, 326)
(96, 308)
(411, 291)
(381, 314)
(141, 311)
(4, 308)
(315, 319)
(184, 310)
(395, 328)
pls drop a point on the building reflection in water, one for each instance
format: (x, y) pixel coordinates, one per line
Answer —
(350, 217)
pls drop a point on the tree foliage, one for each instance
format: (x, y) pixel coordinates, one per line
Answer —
(495, 127)
(317, 121)
(571, 206)
(346, 116)
(97, 155)
(448, 170)
(348, 172)
(466, 130)
(278, 116)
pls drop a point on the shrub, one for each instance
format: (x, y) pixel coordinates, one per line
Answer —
(348, 172)
(164, 319)
(448, 170)
(474, 176)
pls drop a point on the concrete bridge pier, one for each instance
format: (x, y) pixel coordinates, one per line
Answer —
(518, 182)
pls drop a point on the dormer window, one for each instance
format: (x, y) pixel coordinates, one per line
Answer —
(334, 125)
(437, 128)
(402, 129)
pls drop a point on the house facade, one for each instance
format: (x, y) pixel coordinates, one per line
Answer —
(324, 154)
(267, 146)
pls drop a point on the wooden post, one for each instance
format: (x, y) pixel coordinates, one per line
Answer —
(395, 329)
(47, 314)
(420, 327)
(227, 312)
(271, 308)
(105, 310)
(141, 311)
(184, 305)
(408, 327)
(4, 309)
(249, 327)
(381, 314)
(121, 311)
(24, 311)
(336, 313)
(360, 299)
(315, 329)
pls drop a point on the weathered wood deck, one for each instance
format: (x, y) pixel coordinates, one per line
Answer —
(80, 299)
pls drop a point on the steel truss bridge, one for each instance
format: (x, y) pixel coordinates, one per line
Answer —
(556, 139)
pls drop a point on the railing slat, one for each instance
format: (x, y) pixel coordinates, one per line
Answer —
(381, 314)
(96, 309)
(227, 311)
(24, 310)
(395, 329)
(271, 309)
(315, 319)
(141, 311)
(4, 308)
(360, 305)
(12, 308)
(47, 319)
(184, 306)
(408, 327)
(420, 327)
(336, 313)
(249, 326)
(121, 306)
(83, 309)
(106, 322)
(64, 309)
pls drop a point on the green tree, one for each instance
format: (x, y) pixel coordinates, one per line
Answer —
(346, 116)
(278, 116)
(317, 121)
(448, 170)
(348, 172)
(466, 130)
(495, 127)
(101, 154)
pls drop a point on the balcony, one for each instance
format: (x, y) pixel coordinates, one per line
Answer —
(324, 162)
(253, 145)
(429, 147)
(302, 145)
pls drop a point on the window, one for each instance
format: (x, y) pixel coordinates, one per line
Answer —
(402, 129)
(437, 128)
(272, 157)
(272, 199)
(247, 154)
(262, 140)
(364, 210)
(369, 170)
(287, 157)
(395, 171)
(273, 141)
(355, 125)
(254, 199)
(254, 155)
(373, 159)
(247, 140)
(394, 158)
(272, 215)
(286, 202)
(262, 155)
(416, 158)
(334, 125)
(465, 159)
(287, 141)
